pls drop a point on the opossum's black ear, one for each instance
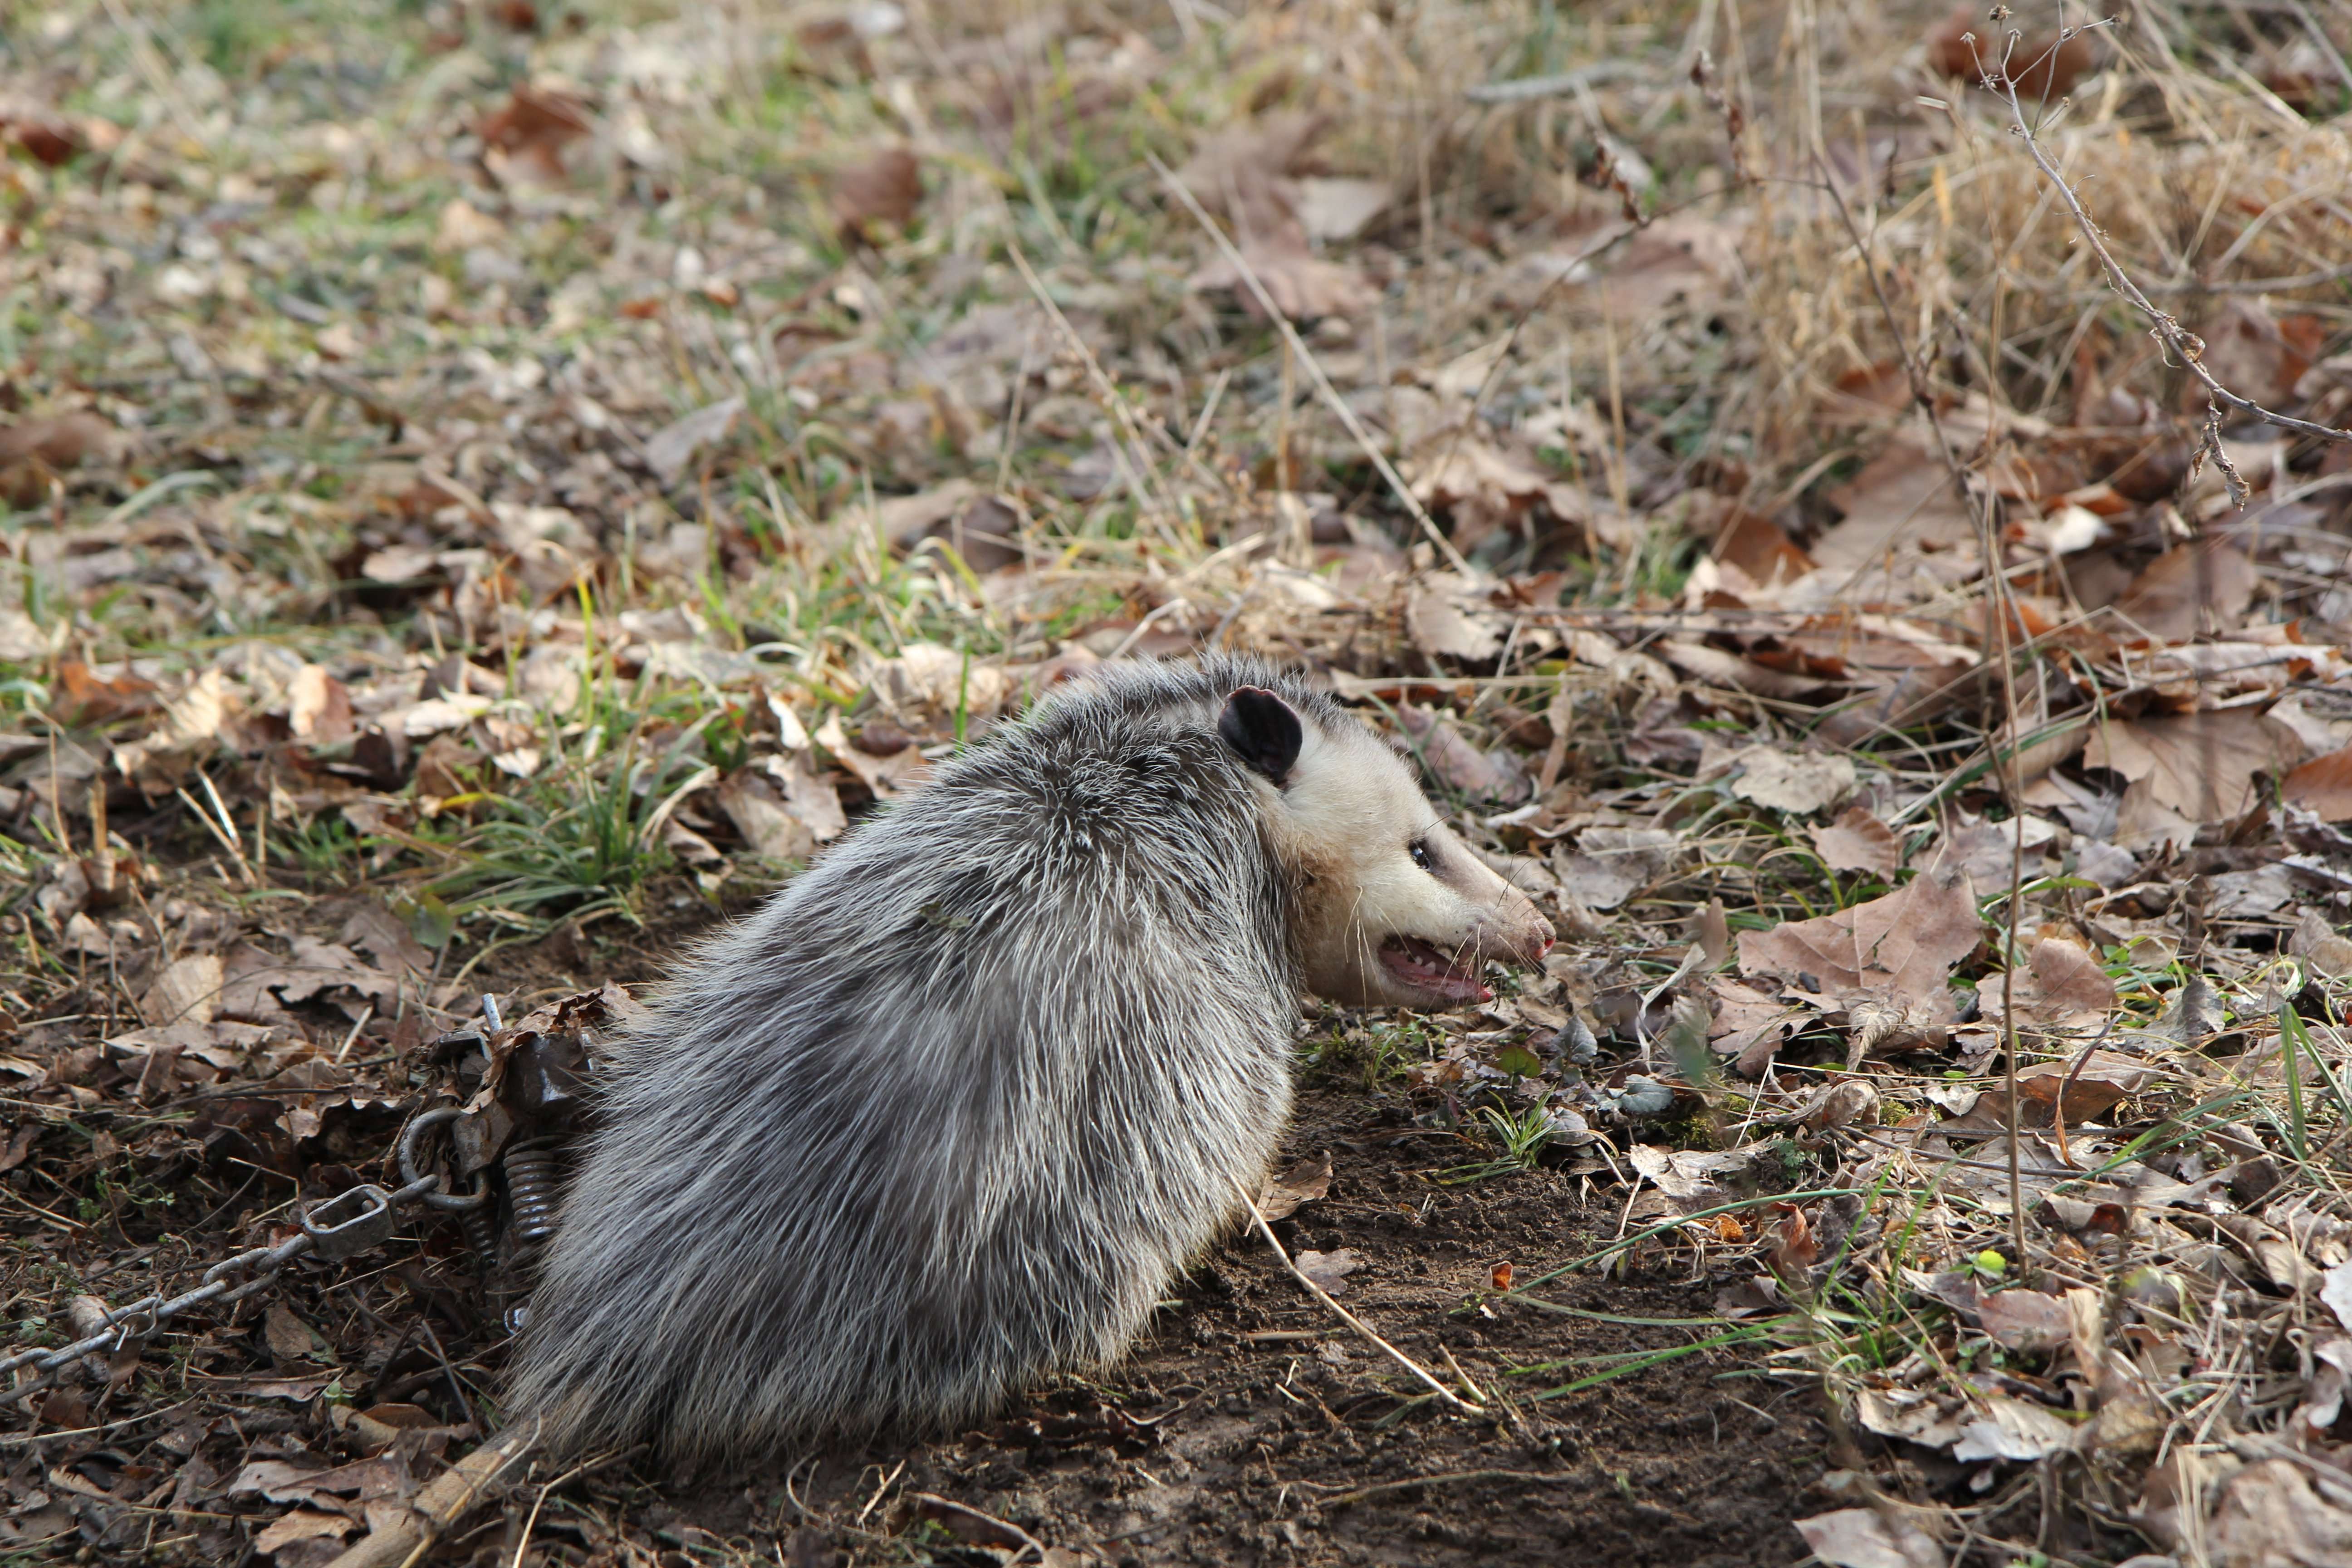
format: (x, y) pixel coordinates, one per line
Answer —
(1264, 729)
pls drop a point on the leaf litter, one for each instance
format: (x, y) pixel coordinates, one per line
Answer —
(517, 492)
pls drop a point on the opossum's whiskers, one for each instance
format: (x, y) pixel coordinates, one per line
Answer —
(1466, 1406)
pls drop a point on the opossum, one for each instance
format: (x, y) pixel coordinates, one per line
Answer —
(945, 1117)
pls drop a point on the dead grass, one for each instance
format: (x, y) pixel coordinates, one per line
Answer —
(482, 483)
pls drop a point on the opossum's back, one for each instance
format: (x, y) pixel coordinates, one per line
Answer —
(940, 1117)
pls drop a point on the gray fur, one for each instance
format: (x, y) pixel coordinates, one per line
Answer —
(949, 1113)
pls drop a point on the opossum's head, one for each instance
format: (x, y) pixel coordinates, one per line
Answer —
(1393, 911)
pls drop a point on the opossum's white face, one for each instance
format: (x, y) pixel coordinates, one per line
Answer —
(1396, 910)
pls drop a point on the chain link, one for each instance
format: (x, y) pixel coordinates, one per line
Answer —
(344, 1236)
(262, 1265)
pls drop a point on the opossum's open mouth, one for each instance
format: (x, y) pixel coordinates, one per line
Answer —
(1416, 964)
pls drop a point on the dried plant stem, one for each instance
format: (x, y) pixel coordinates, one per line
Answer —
(1330, 395)
(2184, 345)
(2000, 611)
(1132, 453)
(1344, 1316)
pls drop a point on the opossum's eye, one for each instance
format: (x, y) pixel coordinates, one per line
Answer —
(1422, 858)
(1263, 730)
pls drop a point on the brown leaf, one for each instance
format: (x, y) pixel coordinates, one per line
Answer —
(1458, 764)
(1303, 286)
(1480, 489)
(190, 731)
(884, 186)
(671, 448)
(2188, 589)
(2272, 1512)
(2102, 1082)
(319, 707)
(301, 1524)
(186, 990)
(2324, 785)
(1789, 1245)
(1448, 616)
(2201, 766)
(756, 807)
(1904, 944)
(290, 1338)
(1965, 44)
(885, 776)
(1799, 784)
(1329, 1269)
(2328, 950)
(1858, 841)
(1238, 172)
(1303, 1183)
(2026, 1320)
(530, 132)
(1903, 498)
(1749, 1025)
(2062, 987)
(87, 699)
(61, 441)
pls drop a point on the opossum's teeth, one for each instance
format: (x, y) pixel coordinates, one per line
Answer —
(1414, 962)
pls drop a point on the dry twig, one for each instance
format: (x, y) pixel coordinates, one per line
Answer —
(2182, 344)
(1344, 1316)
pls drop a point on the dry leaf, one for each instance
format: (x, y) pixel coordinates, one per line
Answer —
(1329, 1269)
(1340, 209)
(2061, 987)
(290, 1338)
(1789, 1245)
(1800, 784)
(1448, 616)
(2328, 950)
(1904, 944)
(809, 795)
(301, 1524)
(755, 805)
(1749, 1025)
(1858, 841)
(528, 133)
(2012, 1429)
(1303, 1183)
(2199, 765)
(2278, 1514)
(2189, 589)
(319, 707)
(1901, 499)
(192, 725)
(1611, 864)
(2026, 1320)
(1480, 489)
(187, 991)
(1303, 287)
(60, 441)
(2323, 786)
(884, 186)
(1484, 776)
(669, 449)
(1861, 1538)
(2101, 1082)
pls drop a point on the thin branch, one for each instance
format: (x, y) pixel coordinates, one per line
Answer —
(2162, 324)
(1330, 395)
